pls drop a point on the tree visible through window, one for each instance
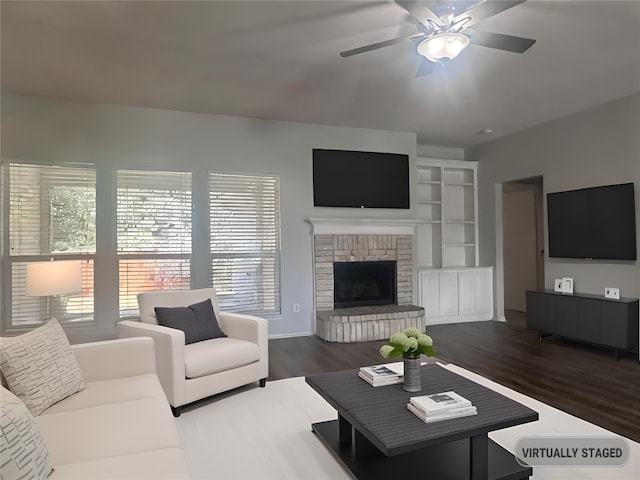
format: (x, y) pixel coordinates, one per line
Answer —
(245, 242)
(52, 213)
(153, 233)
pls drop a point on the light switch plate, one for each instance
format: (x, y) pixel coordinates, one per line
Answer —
(613, 293)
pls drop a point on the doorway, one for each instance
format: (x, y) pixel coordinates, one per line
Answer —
(522, 244)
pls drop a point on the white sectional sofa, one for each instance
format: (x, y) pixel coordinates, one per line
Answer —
(120, 425)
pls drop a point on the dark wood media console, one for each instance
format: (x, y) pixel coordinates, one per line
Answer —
(585, 317)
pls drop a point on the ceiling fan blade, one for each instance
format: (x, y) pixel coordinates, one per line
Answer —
(420, 12)
(500, 41)
(375, 46)
(425, 68)
(484, 10)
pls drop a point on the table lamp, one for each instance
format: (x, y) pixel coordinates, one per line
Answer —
(53, 278)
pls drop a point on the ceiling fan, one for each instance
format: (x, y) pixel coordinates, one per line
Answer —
(444, 32)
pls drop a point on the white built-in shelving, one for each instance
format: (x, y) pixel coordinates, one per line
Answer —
(451, 286)
(447, 211)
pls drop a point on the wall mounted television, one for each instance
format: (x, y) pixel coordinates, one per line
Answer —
(343, 178)
(593, 223)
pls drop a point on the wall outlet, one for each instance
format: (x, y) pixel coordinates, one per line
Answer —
(610, 292)
(296, 308)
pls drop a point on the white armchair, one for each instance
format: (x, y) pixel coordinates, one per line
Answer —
(198, 370)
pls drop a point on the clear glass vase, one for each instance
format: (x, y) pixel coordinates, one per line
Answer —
(412, 380)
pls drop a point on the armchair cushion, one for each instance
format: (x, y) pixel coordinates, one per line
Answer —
(40, 367)
(197, 321)
(217, 355)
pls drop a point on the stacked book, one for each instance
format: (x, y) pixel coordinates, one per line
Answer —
(379, 375)
(440, 406)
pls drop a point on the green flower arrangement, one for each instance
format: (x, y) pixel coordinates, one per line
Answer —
(410, 343)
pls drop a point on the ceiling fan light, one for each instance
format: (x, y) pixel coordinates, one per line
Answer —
(443, 47)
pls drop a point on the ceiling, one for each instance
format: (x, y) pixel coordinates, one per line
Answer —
(280, 60)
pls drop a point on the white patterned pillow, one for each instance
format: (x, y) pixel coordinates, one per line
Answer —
(40, 367)
(24, 453)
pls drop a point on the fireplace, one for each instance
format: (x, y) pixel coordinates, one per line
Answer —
(355, 244)
(358, 284)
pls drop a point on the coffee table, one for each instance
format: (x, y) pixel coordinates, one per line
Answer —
(377, 437)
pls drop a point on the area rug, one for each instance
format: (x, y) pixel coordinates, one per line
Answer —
(257, 433)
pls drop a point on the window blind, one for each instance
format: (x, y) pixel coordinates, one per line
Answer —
(52, 211)
(153, 233)
(244, 215)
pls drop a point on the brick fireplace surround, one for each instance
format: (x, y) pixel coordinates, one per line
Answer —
(337, 241)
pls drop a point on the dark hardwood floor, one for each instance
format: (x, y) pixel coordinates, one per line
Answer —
(579, 379)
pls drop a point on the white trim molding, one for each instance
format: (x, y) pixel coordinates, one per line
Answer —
(362, 226)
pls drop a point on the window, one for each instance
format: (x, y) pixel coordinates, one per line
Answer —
(244, 215)
(51, 214)
(50, 211)
(153, 233)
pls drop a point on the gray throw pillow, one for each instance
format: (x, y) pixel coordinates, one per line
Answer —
(197, 321)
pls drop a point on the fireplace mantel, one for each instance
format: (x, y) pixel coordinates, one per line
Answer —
(362, 226)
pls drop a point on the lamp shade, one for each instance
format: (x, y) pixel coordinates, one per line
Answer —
(45, 279)
(444, 46)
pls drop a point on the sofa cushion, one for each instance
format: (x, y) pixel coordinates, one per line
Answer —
(197, 321)
(22, 447)
(110, 430)
(114, 390)
(40, 367)
(165, 463)
(217, 355)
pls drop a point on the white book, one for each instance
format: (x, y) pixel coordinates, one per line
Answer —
(457, 413)
(379, 372)
(380, 382)
(439, 402)
(397, 367)
(450, 413)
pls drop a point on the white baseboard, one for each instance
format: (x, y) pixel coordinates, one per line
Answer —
(290, 335)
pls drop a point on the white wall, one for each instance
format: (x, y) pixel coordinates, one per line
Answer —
(44, 129)
(443, 153)
(599, 146)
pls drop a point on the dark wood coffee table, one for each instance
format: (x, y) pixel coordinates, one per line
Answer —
(377, 437)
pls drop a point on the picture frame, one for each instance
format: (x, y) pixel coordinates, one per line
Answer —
(557, 286)
(567, 285)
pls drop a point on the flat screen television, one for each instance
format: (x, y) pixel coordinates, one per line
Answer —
(597, 222)
(343, 178)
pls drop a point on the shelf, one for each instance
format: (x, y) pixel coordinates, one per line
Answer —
(428, 175)
(458, 176)
(446, 199)
(448, 460)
